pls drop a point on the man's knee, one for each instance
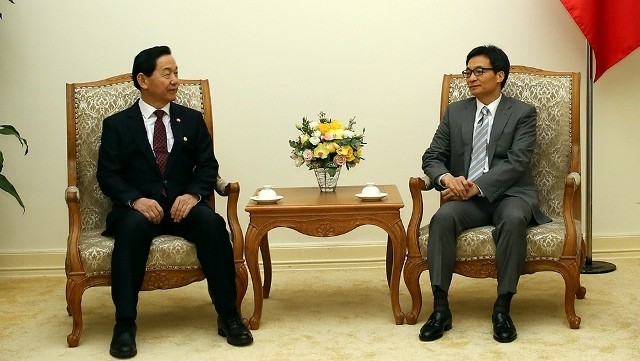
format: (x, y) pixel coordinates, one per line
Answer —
(132, 223)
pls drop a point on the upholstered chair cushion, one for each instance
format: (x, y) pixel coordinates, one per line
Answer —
(545, 241)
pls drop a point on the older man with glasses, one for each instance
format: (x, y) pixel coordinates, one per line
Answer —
(480, 159)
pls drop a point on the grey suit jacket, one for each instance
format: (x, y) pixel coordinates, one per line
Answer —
(510, 149)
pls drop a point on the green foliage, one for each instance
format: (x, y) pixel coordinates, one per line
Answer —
(11, 1)
(5, 185)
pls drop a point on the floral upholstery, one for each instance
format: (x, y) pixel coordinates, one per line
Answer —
(551, 95)
(92, 105)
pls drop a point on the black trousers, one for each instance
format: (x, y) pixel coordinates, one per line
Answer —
(202, 227)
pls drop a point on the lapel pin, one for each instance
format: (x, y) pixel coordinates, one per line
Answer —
(185, 139)
(178, 120)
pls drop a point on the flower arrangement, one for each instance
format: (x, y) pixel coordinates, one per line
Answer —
(327, 143)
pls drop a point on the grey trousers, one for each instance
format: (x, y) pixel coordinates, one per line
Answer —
(509, 215)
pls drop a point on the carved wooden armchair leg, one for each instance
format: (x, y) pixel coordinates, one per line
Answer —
(74, 307)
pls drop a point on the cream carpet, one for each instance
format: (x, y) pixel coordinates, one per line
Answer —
(333, 315)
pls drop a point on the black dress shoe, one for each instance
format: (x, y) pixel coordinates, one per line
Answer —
(123, 343)
(435, 326)
(235, 331)
(503, 328)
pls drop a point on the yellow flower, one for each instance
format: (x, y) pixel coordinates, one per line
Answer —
(336, 133)
(323, 127)
(336, 124)
(331, 146)
(321, 151)
(347, 151)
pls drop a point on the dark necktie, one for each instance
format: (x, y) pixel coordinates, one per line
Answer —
(479, 152)
(160, 141)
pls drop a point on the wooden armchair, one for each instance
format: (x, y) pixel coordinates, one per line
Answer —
(557, 246)
(172, 261)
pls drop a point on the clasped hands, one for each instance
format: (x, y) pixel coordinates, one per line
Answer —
(458, 188)
(152, 211)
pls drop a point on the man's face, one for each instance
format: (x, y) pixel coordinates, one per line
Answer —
(161, 87)
(485, 87)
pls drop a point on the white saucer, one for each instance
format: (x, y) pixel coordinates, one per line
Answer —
(366, 197)
(266, 201)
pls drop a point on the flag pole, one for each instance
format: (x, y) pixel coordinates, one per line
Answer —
(590, 266)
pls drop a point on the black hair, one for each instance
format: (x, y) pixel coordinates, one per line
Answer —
(498, 59)
(145, 62)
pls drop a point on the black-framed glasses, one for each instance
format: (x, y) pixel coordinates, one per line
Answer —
(477, 72)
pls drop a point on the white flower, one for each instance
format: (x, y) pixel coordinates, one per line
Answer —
(348, 133)
(314, 125)
(316, 134)
(314, 140)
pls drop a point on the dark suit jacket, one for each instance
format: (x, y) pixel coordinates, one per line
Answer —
(127, 168)
(510, 149)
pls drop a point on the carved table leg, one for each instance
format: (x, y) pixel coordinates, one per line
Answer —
(253, 241)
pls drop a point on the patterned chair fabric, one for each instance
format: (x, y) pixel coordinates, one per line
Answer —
(172, 260)
(557, 245)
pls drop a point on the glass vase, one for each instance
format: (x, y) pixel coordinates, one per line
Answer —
(326, 181)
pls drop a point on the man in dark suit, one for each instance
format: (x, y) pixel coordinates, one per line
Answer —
(156, 164)
(485, 178)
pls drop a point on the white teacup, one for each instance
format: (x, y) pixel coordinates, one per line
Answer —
(370, 190)
(267, 193)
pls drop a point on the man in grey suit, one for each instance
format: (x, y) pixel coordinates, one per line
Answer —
(480, 159)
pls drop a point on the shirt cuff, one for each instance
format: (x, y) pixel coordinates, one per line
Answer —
(439, 179)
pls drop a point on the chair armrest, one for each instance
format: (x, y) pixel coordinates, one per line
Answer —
(231, 190)
(576, 178)
(221, 186)
(416, 186)
(73, 262)
(571, 195)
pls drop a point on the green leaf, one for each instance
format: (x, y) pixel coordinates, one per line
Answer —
(9, 188)
(6, 129)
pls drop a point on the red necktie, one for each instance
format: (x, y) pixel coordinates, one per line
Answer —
(160, 141)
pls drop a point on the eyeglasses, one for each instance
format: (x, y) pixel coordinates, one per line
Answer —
(477, 72)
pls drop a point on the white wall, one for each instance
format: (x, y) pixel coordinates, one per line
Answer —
(271, 63)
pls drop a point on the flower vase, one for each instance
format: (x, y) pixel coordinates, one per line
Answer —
(326, 181)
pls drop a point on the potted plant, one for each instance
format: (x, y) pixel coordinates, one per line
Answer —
(5, 185)
(325, 146)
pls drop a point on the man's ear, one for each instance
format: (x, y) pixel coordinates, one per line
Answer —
(142, 80)
(500, 76)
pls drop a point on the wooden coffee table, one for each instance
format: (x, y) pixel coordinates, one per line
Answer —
(314, 213)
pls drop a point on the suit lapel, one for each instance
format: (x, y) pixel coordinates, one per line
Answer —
(139, 132)
(178, 134)
(503, 113)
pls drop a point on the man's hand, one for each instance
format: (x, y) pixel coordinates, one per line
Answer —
(149, 208)
(182, 206)
(458, 188)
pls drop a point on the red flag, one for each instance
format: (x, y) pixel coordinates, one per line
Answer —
(611, 27)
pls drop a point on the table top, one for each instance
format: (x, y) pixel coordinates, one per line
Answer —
(308, 198)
